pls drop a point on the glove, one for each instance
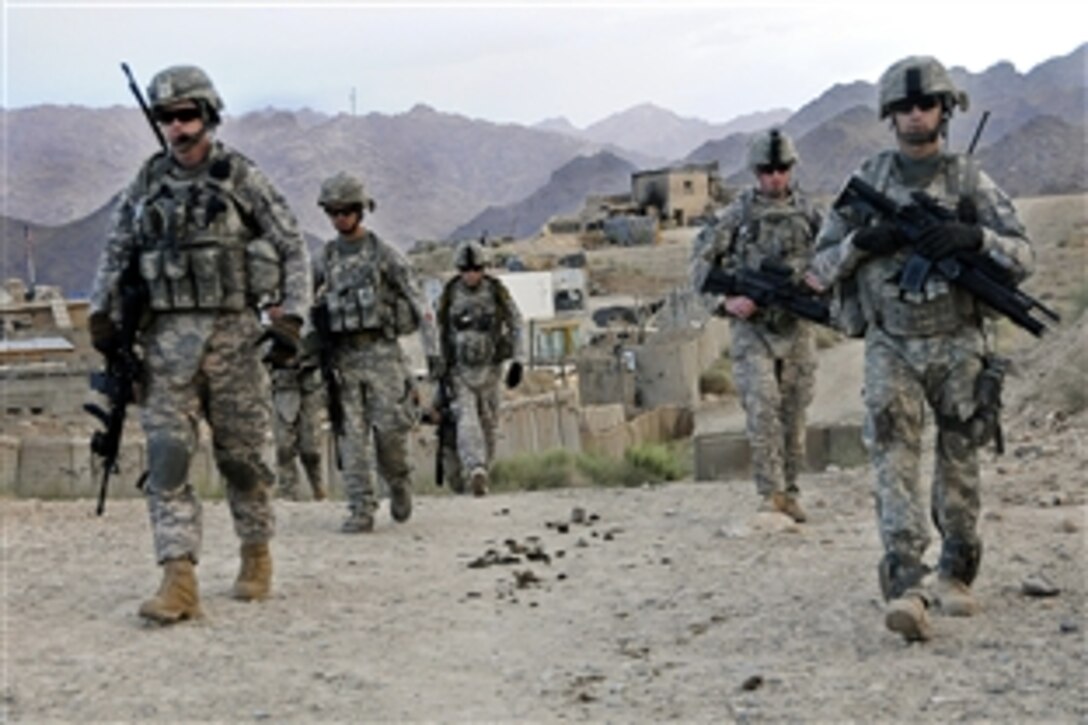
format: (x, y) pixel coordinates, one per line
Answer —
(285, 332)
(879, 240)
(436, 368)
(943, 240)
(514, 374)
(104, 334)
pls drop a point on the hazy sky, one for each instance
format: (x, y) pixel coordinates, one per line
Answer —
(517, 62)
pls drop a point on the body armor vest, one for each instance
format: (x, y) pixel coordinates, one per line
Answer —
(197, 247)
(778, 231)
(476, 335)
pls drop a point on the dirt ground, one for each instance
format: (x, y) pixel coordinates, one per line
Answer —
(668, 602)
(663, 602)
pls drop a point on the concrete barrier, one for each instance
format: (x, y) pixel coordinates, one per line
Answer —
(726, 455)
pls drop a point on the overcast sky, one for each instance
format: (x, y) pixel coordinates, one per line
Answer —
(509, 62)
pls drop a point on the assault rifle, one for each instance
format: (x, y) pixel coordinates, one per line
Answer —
(124, 371)
(441, 415)
(975, 272)
(771, 285)
(319, 316)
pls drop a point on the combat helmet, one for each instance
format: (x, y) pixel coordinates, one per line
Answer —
(918, 75)
(185, 83)
(771, 148)
(343, 190)
(469, 255)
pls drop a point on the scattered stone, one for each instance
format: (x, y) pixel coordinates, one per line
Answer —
(582, 543)
(525, 578)
(752, 683)
(577, 515)
(562, 528)
(491, 557)
(666, 561)
(561, 576)
(1068, 526)
(1037, 585)
(1028, 451)
(1068, 627)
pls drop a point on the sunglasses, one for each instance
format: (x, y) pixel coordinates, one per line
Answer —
(922, 103)
(340, 211)
(768, 169)
(184, 115)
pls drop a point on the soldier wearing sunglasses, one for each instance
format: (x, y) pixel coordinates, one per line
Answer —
(213, 241)
(772, 350)
(371, 298)
(925, 349)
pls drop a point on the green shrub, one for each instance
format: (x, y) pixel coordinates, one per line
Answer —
(718, 378)
(652, 463)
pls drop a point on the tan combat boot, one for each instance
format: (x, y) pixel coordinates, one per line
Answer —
(479, 481)
(255, 575)
(358, 522)
(177, 598)
(907, 616)
(954, 597)
(784, 503)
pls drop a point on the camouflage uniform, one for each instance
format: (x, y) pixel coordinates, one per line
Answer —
(480, 329)
(920, 350)
(773, 352)
(373, 298)
(298, 400)
(204, 238)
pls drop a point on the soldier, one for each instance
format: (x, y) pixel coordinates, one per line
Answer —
(211, 238)
(297, 401)
(480, 329)
(921, 348)
(370, 296)
(773, 352)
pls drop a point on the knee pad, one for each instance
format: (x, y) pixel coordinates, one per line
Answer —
(168, 465)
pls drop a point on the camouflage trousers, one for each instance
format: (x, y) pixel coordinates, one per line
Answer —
(476, 397)
(776, 376)
(298, 401)
(376, 395)
(205, 366)
(902, 376)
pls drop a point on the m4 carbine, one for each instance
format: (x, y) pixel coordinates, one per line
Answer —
(771, 285)
(319, 316)
(975, 272)
(118, 382)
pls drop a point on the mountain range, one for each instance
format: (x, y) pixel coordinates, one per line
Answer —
(437, 175)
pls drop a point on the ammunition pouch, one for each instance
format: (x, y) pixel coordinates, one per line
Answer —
(205, 275)
(355, 309)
